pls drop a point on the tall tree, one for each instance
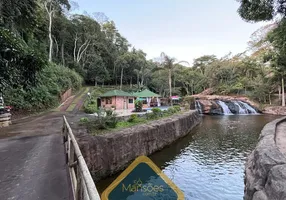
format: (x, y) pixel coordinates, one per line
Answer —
(261, 10)
(202, 62)
(51, 7)
(169, 63)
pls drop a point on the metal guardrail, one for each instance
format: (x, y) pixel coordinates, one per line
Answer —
(82, 183)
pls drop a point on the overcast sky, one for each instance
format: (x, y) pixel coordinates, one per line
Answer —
(184, 29)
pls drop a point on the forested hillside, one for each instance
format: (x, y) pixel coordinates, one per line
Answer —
(45, 49)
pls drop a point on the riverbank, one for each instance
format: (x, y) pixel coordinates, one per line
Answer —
(265, 170)
(109, 153)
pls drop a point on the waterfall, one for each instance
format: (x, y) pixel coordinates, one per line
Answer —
(225, 108)
(248, 107)
(241, 110)
(198, 107)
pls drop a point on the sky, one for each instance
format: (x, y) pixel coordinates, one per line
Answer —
(183, 29)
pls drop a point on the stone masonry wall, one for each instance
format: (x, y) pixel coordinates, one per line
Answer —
(109, 153)
(265, 170)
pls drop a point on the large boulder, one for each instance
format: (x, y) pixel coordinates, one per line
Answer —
(275, 110)
(265, 169)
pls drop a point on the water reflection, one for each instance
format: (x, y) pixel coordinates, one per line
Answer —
(208, 164)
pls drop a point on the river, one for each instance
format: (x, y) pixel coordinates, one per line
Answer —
(208, 164)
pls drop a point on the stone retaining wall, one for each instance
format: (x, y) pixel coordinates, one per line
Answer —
(265, 170)
(109, 153)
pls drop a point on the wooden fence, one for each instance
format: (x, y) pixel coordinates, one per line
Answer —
(82, 183)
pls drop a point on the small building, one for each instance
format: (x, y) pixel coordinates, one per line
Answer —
(117, 99)
(149, 98)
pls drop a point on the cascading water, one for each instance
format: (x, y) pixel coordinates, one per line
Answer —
(226, 110)
(248, 108)
(241, 110)
(198, 107)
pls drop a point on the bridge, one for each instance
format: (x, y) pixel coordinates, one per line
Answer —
(40, 159)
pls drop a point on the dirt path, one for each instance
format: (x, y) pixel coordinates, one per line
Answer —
(281, 137)
(74, 103)
(32, 159)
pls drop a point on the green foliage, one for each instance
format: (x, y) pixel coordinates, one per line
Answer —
(19, 62)
(51, 81)
(155, 114)
(109, 112)
(258, 10)
(172, 110)
(103, 121)
(177, 108)
(138, 106)
(84, 120)
(133, 118)
(90, 108)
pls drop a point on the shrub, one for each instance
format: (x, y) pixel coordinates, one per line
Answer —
(177, 108)
(90, 104)
(165, 113)
(171, 110)
(84, 120)
(109, 112)
(104, 121)
(157, 112)
(133, 118)
(138, 106)
(51, 81)
(90, 108)
(111, 121)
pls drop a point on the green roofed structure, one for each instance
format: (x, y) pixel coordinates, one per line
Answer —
(146, 93)
(149, 98)
(117, 93)
(117, 99)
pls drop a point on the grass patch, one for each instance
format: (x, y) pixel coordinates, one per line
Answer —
(108, 124)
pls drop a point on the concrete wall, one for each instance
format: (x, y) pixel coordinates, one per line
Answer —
(66, 95)
(265, 170)
(109, 153)
(118, 102)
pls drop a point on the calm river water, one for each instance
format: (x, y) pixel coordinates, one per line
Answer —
(208, 164)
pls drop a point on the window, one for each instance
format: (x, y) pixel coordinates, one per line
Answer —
(130, 100)
(108, 100)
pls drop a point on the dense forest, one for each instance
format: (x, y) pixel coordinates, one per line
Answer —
(45, 49)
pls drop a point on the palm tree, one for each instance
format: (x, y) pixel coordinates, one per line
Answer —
(168, 63)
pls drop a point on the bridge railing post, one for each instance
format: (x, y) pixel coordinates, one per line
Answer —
(82, 183)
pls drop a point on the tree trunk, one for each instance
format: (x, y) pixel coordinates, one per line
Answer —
(57, 48)
(279, 92)
(192, 87)
(121, 78)
(131, 82)
(114, 74)
(283, 92)
(50, 36)
(269, 96)
(138, 83)
(170, 85)
(63, 53)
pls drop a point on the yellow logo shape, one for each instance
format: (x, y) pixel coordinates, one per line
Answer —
(142, 180)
